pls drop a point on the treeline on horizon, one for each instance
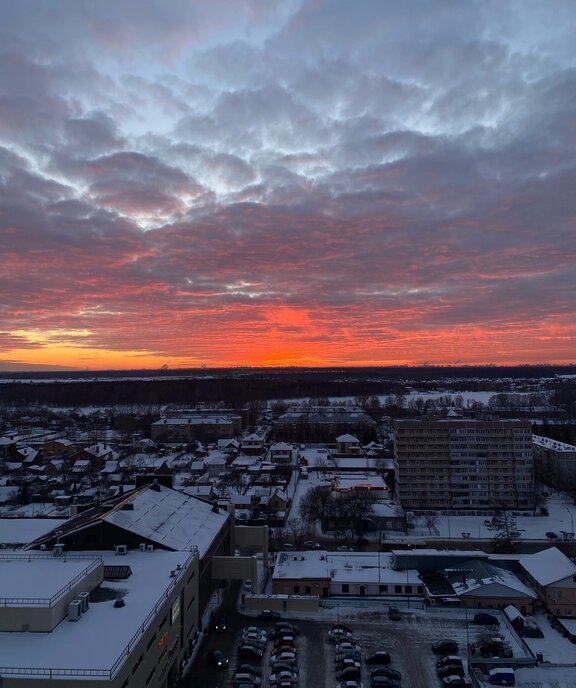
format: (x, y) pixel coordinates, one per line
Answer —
(237, 387)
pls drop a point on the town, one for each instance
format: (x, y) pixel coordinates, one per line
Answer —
(435, 513)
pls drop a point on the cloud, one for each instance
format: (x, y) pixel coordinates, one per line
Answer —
(288, 181)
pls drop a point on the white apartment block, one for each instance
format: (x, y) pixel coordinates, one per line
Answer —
(464, 464)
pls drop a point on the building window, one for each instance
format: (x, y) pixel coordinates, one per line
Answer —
(345, 587)
(151, 641)
(296, 589)
(398, 589)
(383, 589)
(408, 589)
(138, 663)
(150, 675)
(308, 590)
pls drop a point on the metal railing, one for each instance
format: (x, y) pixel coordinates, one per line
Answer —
(49, 601)
(105, 674)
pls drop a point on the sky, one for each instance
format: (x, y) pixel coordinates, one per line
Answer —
(287, 182)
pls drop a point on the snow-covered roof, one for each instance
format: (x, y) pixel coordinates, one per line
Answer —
(548, 566)
(470, 577)
(70, 646)
(170, 518)
(347, 438)
(281, 446)
(548, 443)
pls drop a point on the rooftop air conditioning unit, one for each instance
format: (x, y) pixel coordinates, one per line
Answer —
(84, 598)
(142, 546)
(42, 548)
(121, 549)
(149, 548)
(74, 610)
(58, 549)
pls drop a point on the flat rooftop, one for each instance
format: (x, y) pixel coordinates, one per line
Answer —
(71, 645)
(39, 580)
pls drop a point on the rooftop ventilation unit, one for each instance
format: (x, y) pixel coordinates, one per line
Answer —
(58, 549)
(173, 573)
(121, 549)
(84, 598)
(74, 610)
(142, 546)
(149, 548)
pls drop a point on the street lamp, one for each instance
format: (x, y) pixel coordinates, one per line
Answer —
(571, 520)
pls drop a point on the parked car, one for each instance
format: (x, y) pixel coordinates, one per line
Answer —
(339, 634)
(249, 669)
(250, 652)
(217, 659)
(502, 676)
(450, 670)
(349, 674)
(285, 683)
(394, 613)
(342, 626)
(484, 619)
(445, 647)
(240, 677)
(350, 684)
(343, 656)
(388, 672)
(254, 629)
(310, 544)
(268, 614)
(283, 675)
(382, 682)
(449, 659)
(380, 657)
(283, 626)
(531, 632)
(344, 548)
(552, 535)
(284, 666)
(456, 681)
(347, 647)
(282, 656)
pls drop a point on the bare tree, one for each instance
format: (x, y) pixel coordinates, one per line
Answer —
(298, 528)
(431, 521)
(507, 533)
(317, 504)
(356, 506)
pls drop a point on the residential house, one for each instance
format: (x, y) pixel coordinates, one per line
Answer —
(553, 576)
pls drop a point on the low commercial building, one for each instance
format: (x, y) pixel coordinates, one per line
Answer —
(326, 574)
(201, 426)
(553, 576)
(96, 618)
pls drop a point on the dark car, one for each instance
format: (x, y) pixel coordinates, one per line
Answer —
(345, 656)
(531, 632)
(217, 659)
(483, 619)
(284, 666)
(456, 681)
(221, 624)
(449, 659)
(349, 674)
(249, 669)
(552, 535)
(382, 682)
(388, 672)
(450, 670)
(268, 614)
(379, 657)
(445, 647)
(285, 627)
(250, 652)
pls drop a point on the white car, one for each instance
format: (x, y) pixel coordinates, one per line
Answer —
(254, 629)
(247, 678)
(350, 684)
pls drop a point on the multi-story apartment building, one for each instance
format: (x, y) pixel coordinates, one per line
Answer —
(323, 424)
(464, 464)
(202, 426)
(554, 463)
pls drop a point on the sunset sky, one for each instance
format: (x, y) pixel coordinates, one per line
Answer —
(287, 182)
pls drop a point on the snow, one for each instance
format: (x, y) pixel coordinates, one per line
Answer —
(71, 645)
(20, 531)
(548, 566)
(170, 518)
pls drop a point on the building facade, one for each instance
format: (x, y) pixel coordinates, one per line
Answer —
(554, 463)
(464, 464)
